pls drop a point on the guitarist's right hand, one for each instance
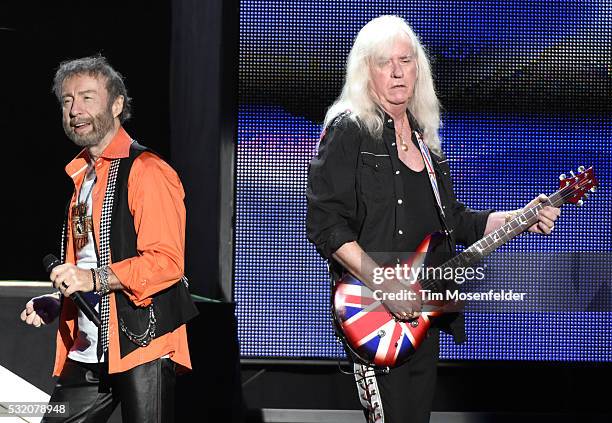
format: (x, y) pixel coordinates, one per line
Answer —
(352, 257)
(401, 309)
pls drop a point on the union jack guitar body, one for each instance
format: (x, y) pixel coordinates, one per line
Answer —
(373, 334)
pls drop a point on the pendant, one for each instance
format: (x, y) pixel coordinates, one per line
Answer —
(404, 147)
(81, 225)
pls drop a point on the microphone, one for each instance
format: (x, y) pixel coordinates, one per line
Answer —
(50, 262)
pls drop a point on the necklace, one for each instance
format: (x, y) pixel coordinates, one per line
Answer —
(82, 223)
(402, 142)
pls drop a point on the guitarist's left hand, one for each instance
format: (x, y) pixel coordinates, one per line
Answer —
(546, 216)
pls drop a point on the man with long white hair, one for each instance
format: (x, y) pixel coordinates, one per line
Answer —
(369, 190)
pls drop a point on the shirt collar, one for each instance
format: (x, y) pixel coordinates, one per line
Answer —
(118, 148)
(388, 120)
(414, 125)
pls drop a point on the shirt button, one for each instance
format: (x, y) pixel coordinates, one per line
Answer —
(397, 172)
(399, 201)
(400, 232)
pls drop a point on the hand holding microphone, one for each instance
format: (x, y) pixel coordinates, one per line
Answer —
(71, 281)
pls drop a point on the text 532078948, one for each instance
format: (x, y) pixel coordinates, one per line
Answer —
(34, 409)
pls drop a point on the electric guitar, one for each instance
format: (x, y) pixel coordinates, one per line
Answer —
(376, 337)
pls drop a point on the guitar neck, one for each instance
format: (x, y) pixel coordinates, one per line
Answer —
(505, 233)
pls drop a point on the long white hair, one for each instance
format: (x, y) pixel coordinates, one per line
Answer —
(376, 38)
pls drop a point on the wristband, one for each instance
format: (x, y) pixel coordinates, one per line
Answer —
(93, 280)
(102, 273)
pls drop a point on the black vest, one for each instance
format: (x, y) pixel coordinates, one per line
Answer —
(171, 307)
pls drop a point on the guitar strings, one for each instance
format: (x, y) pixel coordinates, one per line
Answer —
(561, 195)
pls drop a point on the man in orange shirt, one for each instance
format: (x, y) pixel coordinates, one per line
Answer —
(122, 249)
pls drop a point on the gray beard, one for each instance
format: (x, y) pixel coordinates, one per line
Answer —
(101, 124)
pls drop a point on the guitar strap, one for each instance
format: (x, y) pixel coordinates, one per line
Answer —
(430, 172)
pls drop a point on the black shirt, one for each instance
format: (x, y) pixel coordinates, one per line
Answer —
(357, 191)
(422, 217)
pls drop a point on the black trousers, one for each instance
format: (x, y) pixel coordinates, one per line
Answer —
(146, 392)
(405, 394)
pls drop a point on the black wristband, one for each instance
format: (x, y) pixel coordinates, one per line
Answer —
(93, 279)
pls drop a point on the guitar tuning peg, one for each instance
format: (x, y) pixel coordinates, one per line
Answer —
(580, 169)
(586, 195)
(593, 189)
(580, 203)
(572, 173)
(562, 177)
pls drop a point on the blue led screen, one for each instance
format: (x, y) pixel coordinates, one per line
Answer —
(526, 95)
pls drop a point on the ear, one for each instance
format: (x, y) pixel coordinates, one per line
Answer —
(117, 107)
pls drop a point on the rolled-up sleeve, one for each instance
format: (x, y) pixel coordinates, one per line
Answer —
(155, 198)
(469, 224)
(331, 192)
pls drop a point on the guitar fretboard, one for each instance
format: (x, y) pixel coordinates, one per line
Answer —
(574, 189)
(502, 235)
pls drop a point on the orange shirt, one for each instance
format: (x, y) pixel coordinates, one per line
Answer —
(155, 199)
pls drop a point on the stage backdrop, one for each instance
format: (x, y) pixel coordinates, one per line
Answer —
(525, 88)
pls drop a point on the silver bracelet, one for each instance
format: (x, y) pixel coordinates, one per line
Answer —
(102, 273)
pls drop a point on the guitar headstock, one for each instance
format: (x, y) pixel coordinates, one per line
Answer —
(576, 186)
